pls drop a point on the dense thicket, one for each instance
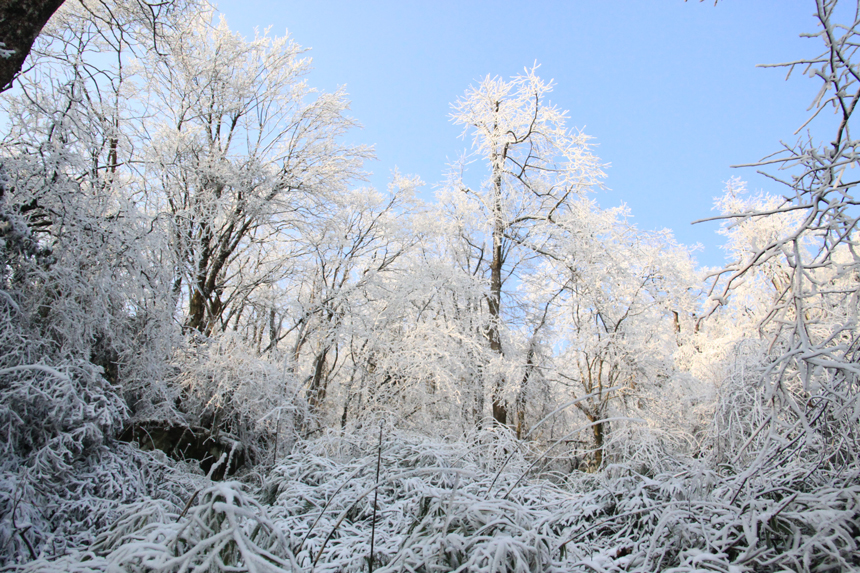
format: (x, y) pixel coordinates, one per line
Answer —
(194, 289)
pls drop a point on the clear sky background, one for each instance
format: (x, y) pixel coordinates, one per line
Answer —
(669, 91)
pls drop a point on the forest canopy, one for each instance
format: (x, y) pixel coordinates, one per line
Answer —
(220, 350)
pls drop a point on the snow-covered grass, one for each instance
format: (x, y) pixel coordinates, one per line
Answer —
(443, 505)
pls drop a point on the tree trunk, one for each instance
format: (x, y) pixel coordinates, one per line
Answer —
(599, 430)
(343, 416)
(494, 303)
(196, 311)
(20, 24)
(317, 389)
(500, 406)
(521, 395)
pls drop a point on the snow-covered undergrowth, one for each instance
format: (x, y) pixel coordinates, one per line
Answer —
(457, 506)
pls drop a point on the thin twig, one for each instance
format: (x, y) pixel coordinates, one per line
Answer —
(375, 498)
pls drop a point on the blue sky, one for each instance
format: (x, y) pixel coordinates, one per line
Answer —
(669, 91)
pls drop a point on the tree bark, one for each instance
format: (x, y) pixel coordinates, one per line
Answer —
(318, 385)
(21, 21)
(500, 407)
(521, 395)
(599, 437)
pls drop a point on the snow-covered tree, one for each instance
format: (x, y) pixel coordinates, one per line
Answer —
(341, 286)
(240, 149)
(535, 166)
(424, 350)
(803, 248)
(130, 186)
(614, 296)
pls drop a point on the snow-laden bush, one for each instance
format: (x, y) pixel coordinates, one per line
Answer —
(319, 509)
(226, 531)
(228, 388)
(662, 427)
(410, 503)
(456, 506)
(48, 410)
(57, 413)
(742, 409)
(62, 474)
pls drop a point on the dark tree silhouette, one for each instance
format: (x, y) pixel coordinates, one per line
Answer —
(20, 24)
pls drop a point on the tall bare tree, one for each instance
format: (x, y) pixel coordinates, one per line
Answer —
(536, 167)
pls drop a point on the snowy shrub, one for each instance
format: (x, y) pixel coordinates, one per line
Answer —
(48, 410)
(434, 506)
(63, 475)
(226, 531)
(231, 390)
(665, 425)
(47, 512)
(741, 406)
(57, 415)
